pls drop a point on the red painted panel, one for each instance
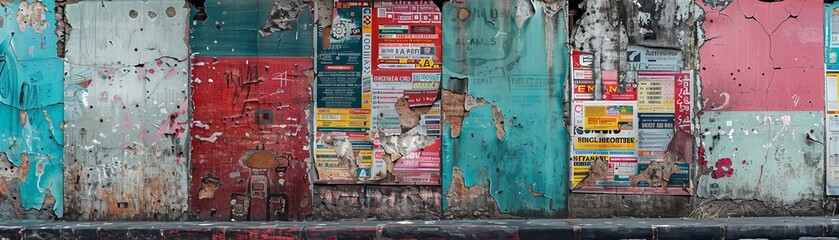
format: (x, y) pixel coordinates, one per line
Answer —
(763, 56)
(250, 139)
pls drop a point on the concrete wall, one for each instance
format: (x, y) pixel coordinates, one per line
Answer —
(762, 79)
(505, 146)
(127, 102)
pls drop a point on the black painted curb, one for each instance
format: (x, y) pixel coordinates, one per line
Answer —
(623, 228)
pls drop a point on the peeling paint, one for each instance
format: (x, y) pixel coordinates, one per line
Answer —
(283, 13)
(31, 104)
(762, 76)
(498, 118)
(32, 15)
(503, 65)
(126, 144)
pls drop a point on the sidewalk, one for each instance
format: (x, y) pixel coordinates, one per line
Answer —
(607, 228)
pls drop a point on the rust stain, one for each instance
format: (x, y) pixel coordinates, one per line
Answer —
(170, 12)
(49, 200)
(32, 15)
(261, 159)
(209, 185)
(472, 202)
(409, 117)
(4, 189)
(533, 192)
(24, 166)
(24, 117)
(599, 171)
(498, 117)
(658, 173)
(454, 111)
(463, 14)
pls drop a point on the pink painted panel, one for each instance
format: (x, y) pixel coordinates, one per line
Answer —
(760, 56)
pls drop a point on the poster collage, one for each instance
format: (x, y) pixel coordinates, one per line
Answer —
(620, 142)
(378, 61)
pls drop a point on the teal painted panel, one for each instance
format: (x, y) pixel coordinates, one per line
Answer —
(31, 105)
(232, 28)
(762, 156)
(831, 36)
(519, 66)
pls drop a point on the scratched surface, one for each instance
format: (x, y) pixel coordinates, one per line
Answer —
(762, 156)
(253, 28)
(505, 145)
(250, 138)
(251, 96)
(31, 111)
(762, 77)
(126, 111)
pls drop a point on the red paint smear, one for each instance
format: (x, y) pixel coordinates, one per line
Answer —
(761, 72)
(723, 168)
(702, 161)
(231, 108)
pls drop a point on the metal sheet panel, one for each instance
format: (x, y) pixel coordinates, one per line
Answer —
(505, 146)
(250, 138)
(31, 111)
(252, 28)
(127, 110)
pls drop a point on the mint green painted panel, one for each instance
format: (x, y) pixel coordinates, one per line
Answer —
(770, 158)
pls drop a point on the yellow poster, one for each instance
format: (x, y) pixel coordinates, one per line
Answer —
(604, 143)
(656, 93)
(343, 118)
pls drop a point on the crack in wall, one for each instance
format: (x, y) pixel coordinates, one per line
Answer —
(769, 34)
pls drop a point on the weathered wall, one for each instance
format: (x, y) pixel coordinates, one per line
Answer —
(363, 202)
(762, 85)
(251, 92)
(31, 112)
(607, 29)
(126, 97)
(136, 113)
(505, 146)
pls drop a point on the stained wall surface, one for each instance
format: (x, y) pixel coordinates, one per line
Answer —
(204, 110)
(762, 70)
(31, 112)
(126, 110)
(505, 145)
(251, 93)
